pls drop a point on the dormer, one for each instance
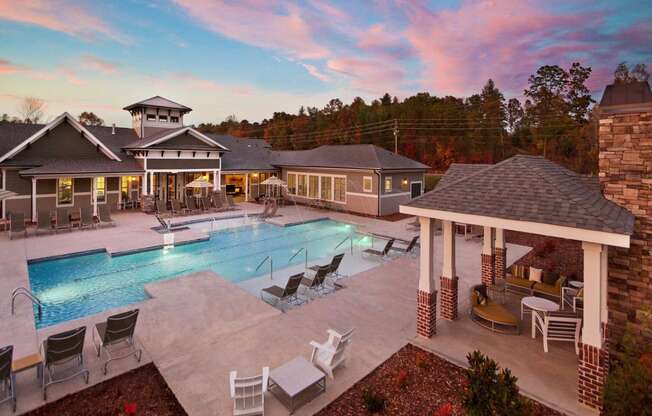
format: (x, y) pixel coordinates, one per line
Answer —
(156, 114)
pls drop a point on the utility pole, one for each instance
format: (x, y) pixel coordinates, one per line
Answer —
(396, 136)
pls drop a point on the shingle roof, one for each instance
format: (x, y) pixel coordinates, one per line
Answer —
(623, 94)
(76, 166)
(356, 156)
(13, 134)
(533, 189)
(146, 142)
(457, 171)
(158, 101)
(245, 154)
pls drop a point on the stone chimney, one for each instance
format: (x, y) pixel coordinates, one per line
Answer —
(625, 165)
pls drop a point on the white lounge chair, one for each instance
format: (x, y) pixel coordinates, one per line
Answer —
(558, 326)
(248, 393)
(332, 353)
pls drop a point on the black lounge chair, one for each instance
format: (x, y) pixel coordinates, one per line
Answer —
(87, 219)
(105, 215)
(177, 209)
(318, 281)
(162, 208)
(406, 250)
(383, 253)
(17, 224)
(43, 221)
(117, 331)
(63, 348)
(63, 219)
(7, 376)
(191, 205)
(333, 266)
(288, 293)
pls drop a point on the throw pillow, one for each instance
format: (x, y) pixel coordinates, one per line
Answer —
(550, 278)
(535, 274)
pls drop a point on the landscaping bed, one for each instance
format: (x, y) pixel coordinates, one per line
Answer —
(141, 392)
(413, 382)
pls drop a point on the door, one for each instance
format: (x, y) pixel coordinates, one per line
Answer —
(172, 187)
(415, 189)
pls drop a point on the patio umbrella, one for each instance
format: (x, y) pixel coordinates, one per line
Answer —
(199, 183)
(273, 182)
(6, 194)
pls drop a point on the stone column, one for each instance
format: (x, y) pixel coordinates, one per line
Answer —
(33, 199)
(427, 292)
(500, 253)
(449, 280)
(487, 270)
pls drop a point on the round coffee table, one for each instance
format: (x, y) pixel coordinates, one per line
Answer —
(532, 303)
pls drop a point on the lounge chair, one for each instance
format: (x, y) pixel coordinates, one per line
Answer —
(383, 253)
(43, 221)
(230, 202)
(117, 331)
(63, 348)
(408, 249)
(87, 218)
(105, 215)
(333, 266)
(573, 298)
(206, 204)
(17, 224)
(191, 206)
(75, 217)
(217, 202)
(489, 314)
(318, 281)
(248, 393)
(288, 293)
(162, 208)
(558, 326)
(332, 353)
(177, 209)
(7, 377)
(63, 220)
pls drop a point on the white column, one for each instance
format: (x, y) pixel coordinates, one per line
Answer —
(593, 302)
(604, 291)
(488, 241)
(120, 192)
(499, 238)
(448, 263)
(246, 187)
(151, 183)
(143, 191)
(427, 280)
(33, 199)
(94, 195)
(4, 187)
(216, 180)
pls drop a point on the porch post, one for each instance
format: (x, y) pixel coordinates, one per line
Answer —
(4, 187)
(487, 270)
(216, 180)
(94, 195)
(151, 183)
(427, 292)
(449, 280)
(246, 187)
(144, 184)
(500, 254)
(33, 199)
(593, 365)
(120, 192)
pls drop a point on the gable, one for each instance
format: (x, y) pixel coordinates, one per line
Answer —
(183, 141)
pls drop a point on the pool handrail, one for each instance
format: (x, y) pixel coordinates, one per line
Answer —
(25, 292)
(343, 241)
(297, 253)
(271, 266)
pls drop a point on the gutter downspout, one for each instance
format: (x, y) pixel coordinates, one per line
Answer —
(377, 172)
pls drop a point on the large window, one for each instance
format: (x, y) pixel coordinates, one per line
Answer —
(64, 191)
(301, 185)
(367, 184)
(405, 184)
(100, 189)
(151, 117)
(326, 188)
(163, 119)
(174, 119)
(388, 184)
(292, 183)
(339, 186)
(313, 186)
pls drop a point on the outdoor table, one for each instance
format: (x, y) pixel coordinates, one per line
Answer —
(576, 284)
(27, 362)
(291, 379)
(532, 304)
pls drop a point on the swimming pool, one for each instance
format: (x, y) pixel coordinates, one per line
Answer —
(78, 286)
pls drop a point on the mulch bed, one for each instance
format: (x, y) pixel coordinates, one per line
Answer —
(143, 387)
(413, 382)
(551, 254)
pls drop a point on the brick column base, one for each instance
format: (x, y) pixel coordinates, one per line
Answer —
(592, 371)
(501, 260)
(487, 269)
(426, 313)
(448, 298)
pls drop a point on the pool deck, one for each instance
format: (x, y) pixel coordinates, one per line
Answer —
(199, 327)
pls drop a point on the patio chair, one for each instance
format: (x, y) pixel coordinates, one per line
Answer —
(75, 217)
(332, 353)
(206, 204)
(43, 221)
(318, 281)
(558, 326)
(117, 331)
(191, 206)
(105, 216)
(63, 220)
(17, 224)
(59, 349)
(177, 209)
(383, 253)
(230, 202)
(248, 393)
(408, 249)
(162, 208)
(87, 218)
(573, 298)
(7, 377)
(333, 266)
(216, 199)
(491, 315)
(287, 293)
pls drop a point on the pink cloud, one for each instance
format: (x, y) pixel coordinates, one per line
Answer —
(7, 67)
(315, 72)
(379, 40)
(99, 64)
(202, 84)
(369, 75)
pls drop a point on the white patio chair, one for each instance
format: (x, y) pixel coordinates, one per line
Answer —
(572, 297)
(558, 326)
(248, 393)
(332, 353)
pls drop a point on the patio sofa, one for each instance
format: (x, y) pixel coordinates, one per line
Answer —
(550, 285)
(519, 280)
(490, 314)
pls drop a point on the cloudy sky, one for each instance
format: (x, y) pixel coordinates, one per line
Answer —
(253, 57)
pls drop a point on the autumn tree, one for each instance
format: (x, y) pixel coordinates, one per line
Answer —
(89, 118)
(32, 110)
(623, 74)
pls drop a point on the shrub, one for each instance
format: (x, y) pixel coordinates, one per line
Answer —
(422, 360)
(402, 378)
(374, 402)
(490, 390)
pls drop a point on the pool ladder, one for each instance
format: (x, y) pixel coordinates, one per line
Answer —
(25, 292)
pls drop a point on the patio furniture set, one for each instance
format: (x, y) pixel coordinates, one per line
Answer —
(294, 382)
(61, 356)
(216, 201)
(553, 320)
(61, 219)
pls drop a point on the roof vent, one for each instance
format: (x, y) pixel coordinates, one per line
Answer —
(113, 128)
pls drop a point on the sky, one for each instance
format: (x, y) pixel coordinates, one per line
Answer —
(251, 58)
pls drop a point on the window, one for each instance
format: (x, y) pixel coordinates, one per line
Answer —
(151, 117)
(313, 186)
(301, 185)
(340, 189)
(292, 183)
(326, 188)
(100, 189)
(404, 184)
(174, 119)
(367, 184)
(163, 119)
(64, 191)
(388, 184)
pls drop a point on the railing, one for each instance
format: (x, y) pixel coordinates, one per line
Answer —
(305, 250)
(344, 241)
(23, 291)
(271, 266)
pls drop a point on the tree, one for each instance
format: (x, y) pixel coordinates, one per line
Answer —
(31, 109)
(514, 114)
(623, 75)
(90, 119)
(578, 95)
(5, 117)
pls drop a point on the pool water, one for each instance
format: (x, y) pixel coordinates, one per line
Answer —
(78, 286)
